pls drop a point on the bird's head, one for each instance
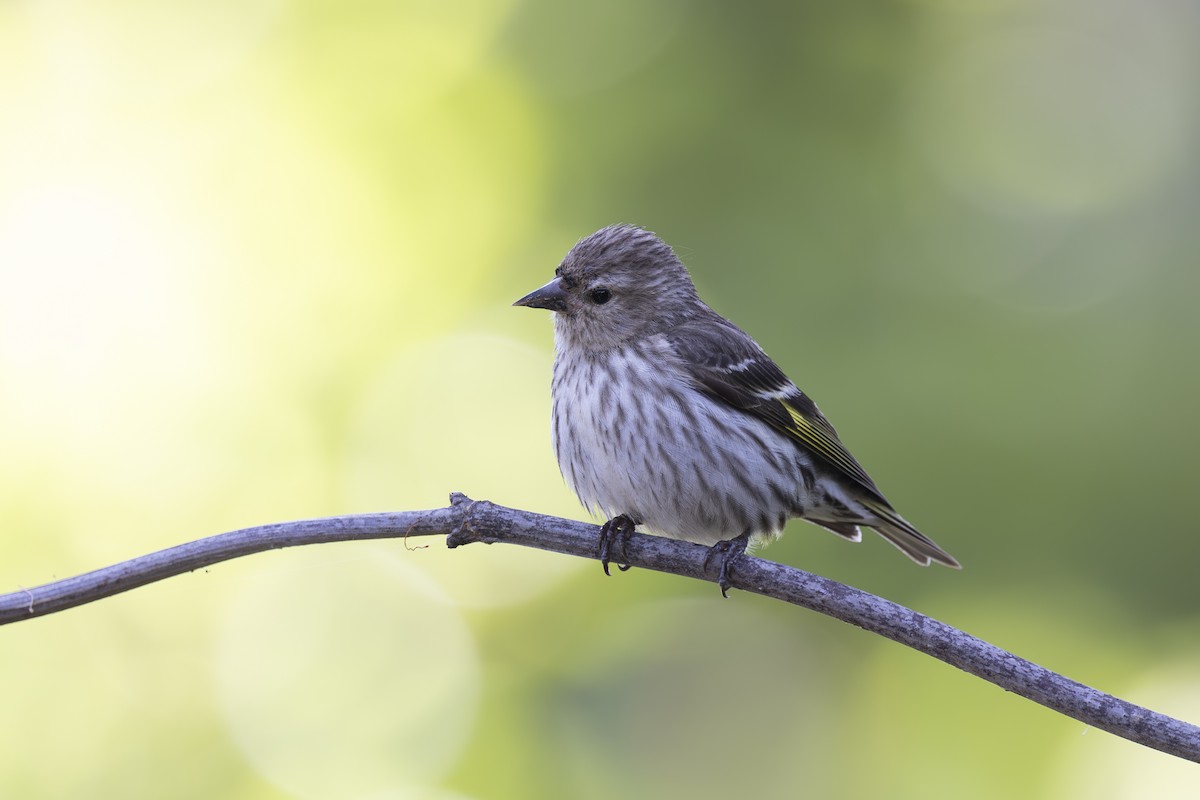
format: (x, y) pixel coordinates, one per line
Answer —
(616, 286)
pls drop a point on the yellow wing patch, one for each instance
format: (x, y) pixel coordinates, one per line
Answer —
(824, 441)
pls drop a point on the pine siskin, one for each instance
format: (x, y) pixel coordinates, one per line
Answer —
(668, 416)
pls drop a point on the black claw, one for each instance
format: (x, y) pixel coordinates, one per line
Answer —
(729, 551)
(614, 536)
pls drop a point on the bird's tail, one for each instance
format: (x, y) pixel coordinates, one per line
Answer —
(910, 541)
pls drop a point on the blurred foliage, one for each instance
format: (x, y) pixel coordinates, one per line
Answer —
(256, 261)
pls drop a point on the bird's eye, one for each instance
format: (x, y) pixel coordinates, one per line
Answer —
(600, 295)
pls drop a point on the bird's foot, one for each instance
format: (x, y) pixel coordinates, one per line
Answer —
(614, 536)
(729, 551)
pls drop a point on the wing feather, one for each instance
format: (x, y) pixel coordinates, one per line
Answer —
(729, 365)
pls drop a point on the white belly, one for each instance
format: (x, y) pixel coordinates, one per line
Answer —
(632, 438)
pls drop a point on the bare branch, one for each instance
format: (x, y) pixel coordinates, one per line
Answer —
(467, 521)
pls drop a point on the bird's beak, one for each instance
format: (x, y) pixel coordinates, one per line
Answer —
(551, 297)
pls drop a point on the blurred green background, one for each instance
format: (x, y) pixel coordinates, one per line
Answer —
(256, 261)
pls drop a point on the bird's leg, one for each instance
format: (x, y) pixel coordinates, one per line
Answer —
(614, 536)
(729, 551)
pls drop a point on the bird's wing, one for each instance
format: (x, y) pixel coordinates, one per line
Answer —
(729, 366)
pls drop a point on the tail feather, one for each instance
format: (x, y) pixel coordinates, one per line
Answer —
(847, 530)
(910, 541)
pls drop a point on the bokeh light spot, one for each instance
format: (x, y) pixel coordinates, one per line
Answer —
(311, 650)
(425, 428)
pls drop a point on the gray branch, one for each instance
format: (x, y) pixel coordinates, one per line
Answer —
(467, 521)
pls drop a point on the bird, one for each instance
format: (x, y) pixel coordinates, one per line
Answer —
(668, 418)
